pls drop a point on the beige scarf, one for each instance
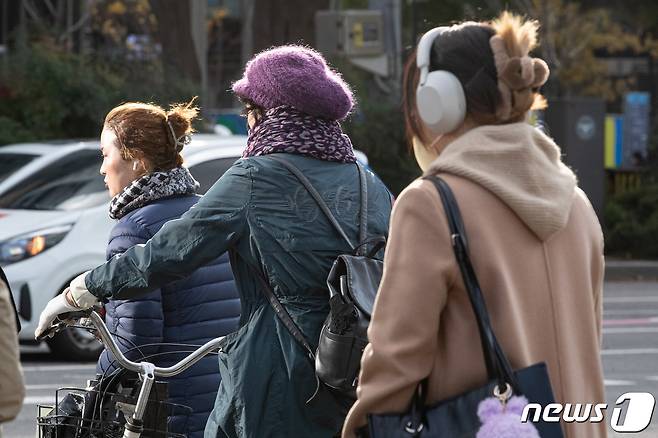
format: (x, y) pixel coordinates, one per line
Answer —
(519, 164)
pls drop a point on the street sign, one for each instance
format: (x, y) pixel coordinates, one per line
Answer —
(350, 32)
(585, 127)
(637, 106)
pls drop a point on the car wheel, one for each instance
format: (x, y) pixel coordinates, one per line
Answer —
(75, 344)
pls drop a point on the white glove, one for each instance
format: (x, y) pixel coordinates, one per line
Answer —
(55, 307)
(79, 293)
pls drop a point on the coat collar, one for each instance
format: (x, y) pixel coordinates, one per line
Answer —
(521, 165)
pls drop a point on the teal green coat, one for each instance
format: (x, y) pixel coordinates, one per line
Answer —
(262, 214)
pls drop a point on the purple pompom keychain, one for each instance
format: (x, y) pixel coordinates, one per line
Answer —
(501, 417)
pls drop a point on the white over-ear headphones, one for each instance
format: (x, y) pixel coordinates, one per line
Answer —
(440, 98)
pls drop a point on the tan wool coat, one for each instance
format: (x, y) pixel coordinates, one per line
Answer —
(537, 249)
(12, 389)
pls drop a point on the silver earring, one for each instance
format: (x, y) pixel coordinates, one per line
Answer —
(135, 165)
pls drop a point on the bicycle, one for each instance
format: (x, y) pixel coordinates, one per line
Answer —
(127, 418)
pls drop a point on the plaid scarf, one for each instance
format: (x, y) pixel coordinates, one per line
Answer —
(286, 130)
(150, 187)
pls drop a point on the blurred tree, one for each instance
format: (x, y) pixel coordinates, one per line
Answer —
(52, 95)
(60, 21)
(572, 36)
(48, 93)
(175, 34)
(376, 127)
(115, 26)
(631, 222)
(277, 22)
(224, 57)
(639, 15)
(126, 39)
(422, 15)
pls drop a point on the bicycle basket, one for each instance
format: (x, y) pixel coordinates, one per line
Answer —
(98, 412)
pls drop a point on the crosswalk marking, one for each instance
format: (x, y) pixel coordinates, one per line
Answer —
(620, 352)
(63, 367)
(609, 382)
(630, 321)
(621, 330)
(615, 300)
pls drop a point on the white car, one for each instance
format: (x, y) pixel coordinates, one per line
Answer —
(19, 160)
(54, 221)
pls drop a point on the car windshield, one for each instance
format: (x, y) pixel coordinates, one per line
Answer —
(10, 162)
(70, 183)
(208, 172)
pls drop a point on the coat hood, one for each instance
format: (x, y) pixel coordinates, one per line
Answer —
(519, 164)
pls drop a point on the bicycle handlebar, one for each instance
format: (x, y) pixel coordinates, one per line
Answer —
(147, 371)
(62, 321)
(109, 342)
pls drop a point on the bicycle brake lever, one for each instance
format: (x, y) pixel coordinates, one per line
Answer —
(52, 330)
(62, 321)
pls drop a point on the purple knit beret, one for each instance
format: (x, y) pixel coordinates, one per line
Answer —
(295, 76)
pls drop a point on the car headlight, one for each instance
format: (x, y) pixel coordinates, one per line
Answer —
(28, 245)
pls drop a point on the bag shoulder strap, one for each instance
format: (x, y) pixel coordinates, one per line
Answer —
(498, 366)
(363, 211)
(279, 309)
(323, 205)
(284, 316)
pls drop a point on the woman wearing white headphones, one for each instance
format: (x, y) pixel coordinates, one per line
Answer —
(534, 240)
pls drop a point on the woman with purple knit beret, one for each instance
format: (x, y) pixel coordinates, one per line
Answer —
(271, 226)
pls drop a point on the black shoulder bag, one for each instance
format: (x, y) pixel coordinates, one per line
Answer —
(353, 282)
(457, 417)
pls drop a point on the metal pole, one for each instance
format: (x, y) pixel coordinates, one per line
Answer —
(83, 32)
(148, 377)
(3, 37)
(22, 28)
(392, 12)
(69, 25)
(414, 29)
(198, 12)
(247, 30)
(134, 425)
(397, 46)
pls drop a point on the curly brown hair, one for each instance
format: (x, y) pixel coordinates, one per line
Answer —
(142, 132)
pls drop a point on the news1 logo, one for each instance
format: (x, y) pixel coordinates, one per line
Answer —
(638, 410)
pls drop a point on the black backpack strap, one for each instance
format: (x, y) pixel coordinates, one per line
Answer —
(497, 364)
(3, 278)
(363, 211)
(280, 311)
(284, 316)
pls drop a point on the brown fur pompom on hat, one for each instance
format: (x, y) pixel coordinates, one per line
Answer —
(519, 75)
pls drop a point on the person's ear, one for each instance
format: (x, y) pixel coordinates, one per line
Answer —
(141, 165)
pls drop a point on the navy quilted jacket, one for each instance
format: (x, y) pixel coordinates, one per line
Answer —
(188, 311)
